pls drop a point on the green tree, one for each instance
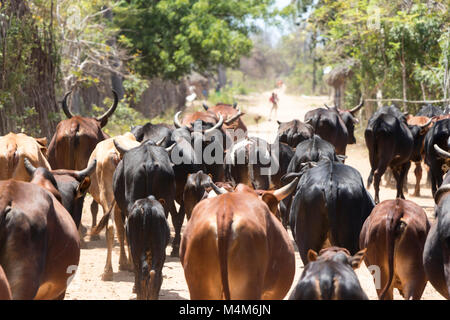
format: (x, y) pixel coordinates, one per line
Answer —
(174, 37)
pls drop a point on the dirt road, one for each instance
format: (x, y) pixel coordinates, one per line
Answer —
(87, 283)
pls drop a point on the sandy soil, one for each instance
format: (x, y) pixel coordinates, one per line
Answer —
(87, 283)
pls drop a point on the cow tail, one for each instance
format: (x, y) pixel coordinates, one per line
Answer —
(392, 221)
(224, 222)
(104, 221)
(331, 197)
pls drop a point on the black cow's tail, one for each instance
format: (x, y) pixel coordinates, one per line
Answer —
(331, 198)
(224, 222)
(104, 221)
(392, 222)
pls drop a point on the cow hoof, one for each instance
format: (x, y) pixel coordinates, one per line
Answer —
(94, 237)
(107, 276)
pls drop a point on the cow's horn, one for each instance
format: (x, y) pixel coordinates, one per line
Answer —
(441, 151)
(111, 110)
(440, 192)
(235, 105)
(87, 171)
(119, 148)
(217, 189)
(169, 149)
(28, 166)
(217, 126)
(326, 106)
(160, 142)
(235, 117)
(359, 106)
(65, 107)
(176, 120)
(426, 124)
(205, 106)
(283, 192)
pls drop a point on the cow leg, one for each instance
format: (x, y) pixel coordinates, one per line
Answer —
(177, 220)
(124, 264)
(378, 173)
(399, 174)
(418, 174)
(108, 271)
(94, 212)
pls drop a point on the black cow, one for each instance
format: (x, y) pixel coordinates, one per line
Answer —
(256, 163)
(439, 134)
(148, 234)
(330, 276)
(294, 132)
(330, 203)
(154, 132)
(334, 125)
(429, 111)
(391, 144)
(69, 186)
(436, 254)
(311, 150)
(146, 170)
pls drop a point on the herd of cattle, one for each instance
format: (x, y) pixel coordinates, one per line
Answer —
(235, 244)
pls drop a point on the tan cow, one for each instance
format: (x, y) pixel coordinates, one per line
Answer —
(14, 148)
(102, 191)
(394, 235)
(234, 247)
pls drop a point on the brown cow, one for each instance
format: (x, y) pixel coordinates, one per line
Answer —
(250, 255)
(75, 139)
(231, 115)
(102, 192)
(394, 235)
(5, 290)
(40, 244)
(14, 148)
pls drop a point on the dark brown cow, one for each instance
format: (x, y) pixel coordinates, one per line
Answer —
(5, 290)
(250, 255)
(40, 247)
(76, 137)
(394, 235)
(330, 276)
(422, 125)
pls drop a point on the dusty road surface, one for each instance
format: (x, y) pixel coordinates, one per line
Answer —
(87, 283)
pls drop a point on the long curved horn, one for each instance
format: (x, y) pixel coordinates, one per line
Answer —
(326, 106)
(426, 124)
(205, 106)
(218, 190)
(111, 110)
(160, 142)
(176, 120)
(28, 166)
(87, 171)
(359, 106)
(234, 118)
(65, 107)
(169, 149)
(119, 148)
(217, 126)
(283, 192)
(441, 151)
(440, 192)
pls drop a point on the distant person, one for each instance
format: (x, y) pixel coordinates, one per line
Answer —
(274, 100)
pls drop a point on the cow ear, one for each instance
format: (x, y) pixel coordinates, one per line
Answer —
(356, 260)
(41, 141)
(278, 121)
(83, 187)
(271, 201)
(312, 255)
(162, 201)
